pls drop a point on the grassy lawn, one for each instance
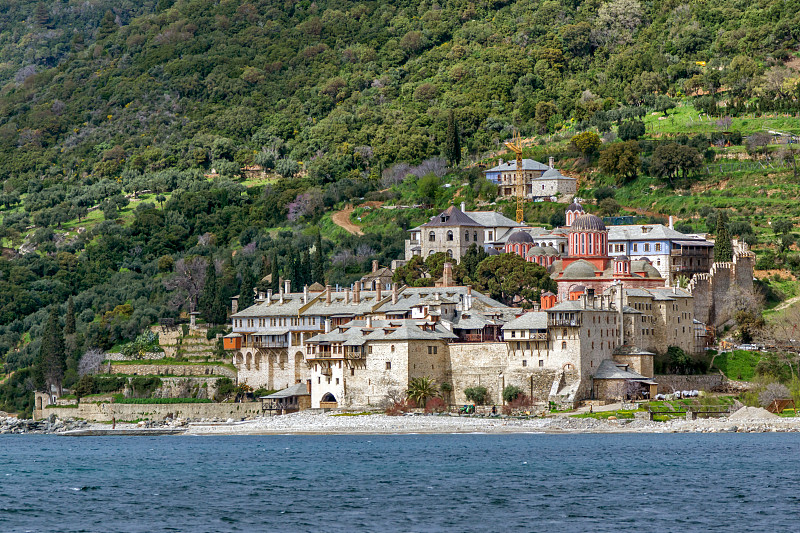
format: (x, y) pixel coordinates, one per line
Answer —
(604, 415)
(738, 364)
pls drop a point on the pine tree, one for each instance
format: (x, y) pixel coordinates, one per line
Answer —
(452, 149)
(246, 288)
(107, 26)
(42, 15)
(319, 267)
(69, 319)
(209, 294)
(723, 249)
(51, 362)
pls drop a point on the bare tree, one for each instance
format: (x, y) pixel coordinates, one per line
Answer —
(187, 282)
(91, 361)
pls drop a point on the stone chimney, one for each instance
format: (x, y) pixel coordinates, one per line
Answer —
(269, 296)
(327, 325)
(234, 305)
(357, 293)
(378, 291)
(551, 161)
(468, 299)
(374, 265)
(328, 294)
(463, 206)
(369, 321)
(287, 286)
(305, 294)
(447, 275)
(394, 293)
(347, 295)
(671, 223)
(281, 296)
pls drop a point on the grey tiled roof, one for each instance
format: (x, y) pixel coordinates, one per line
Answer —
(532, 320)
(656, 232)
(454, 216)
(527, 164)
(492, 219)
(608, 369)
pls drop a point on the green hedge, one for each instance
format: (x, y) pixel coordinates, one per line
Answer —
(150, 401)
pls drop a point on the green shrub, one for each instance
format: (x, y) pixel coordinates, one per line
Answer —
(476, 395)
(143, 386)
(510, 393)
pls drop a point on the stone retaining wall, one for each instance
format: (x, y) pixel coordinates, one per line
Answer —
(171, 370)
(668, 383)
(122, 412)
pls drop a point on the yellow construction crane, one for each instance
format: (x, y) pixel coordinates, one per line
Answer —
(515, 145)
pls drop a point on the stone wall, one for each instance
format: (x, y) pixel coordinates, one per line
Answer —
(669, 383)
(711, 291)
(488, 365)
(104, 412)
(171, 370)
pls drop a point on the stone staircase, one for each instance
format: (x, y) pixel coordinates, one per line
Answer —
(193, 346)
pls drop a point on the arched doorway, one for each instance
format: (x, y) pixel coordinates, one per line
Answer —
(328, 401)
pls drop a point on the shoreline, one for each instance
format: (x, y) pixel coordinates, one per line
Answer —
(321, 424)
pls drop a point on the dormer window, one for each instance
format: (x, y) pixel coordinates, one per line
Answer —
(444, 218)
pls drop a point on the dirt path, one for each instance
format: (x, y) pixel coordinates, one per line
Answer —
(342, 219)
(788, 303)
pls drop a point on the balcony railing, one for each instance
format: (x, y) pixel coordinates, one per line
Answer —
(564, 322)
(267, 344)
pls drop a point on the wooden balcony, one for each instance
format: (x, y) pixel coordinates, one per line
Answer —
(564, 322)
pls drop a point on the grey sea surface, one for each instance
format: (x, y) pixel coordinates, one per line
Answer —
(462, 482)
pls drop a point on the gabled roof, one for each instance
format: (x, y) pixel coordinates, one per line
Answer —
(654, 232)
(608, 369)
(531, 320)
(492, 219)
(452, 216)
(298, 389)
(527, 164)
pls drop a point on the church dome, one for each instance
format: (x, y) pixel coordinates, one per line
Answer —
(575, 206)
(492, 251)
(622, 258)
(520, 236)
(579, 270)
(588, 223)
(536, 251)
(549, 250)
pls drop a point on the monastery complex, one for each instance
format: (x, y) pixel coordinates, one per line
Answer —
(618, 303)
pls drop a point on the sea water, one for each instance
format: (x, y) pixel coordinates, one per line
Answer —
(518, 482)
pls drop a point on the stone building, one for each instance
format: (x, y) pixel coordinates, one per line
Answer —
(360, 348)
(541, 181)
(454, 230)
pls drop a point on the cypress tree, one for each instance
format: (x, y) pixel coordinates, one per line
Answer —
(69, 320)
(318, 274)
(723, 249)
(276, 277)
(219, 309)
(305, 269)
(209, 294)
(246, 288)
(52, 361)
(452, 149)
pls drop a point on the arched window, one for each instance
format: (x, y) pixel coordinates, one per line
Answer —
(466, 236)
(449, 235)
(431, 236)
(475, 236)
(564, 345)
(449, 253)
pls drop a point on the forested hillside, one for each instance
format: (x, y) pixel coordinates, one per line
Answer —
(334, 101)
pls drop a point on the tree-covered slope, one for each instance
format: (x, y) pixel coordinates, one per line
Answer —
(332, 83)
